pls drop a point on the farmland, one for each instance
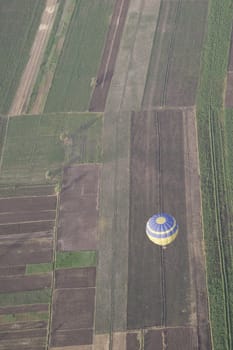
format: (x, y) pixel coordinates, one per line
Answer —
(80, 57)
(175, 59)
(106, 69)
(214, 143)
(19, 22)
(26, 248)
(150, 312)
(52, 142)
(77, 188)
(29, 260)
(149, 151)
(51, 56)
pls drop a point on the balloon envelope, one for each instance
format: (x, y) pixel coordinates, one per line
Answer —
(162, 229)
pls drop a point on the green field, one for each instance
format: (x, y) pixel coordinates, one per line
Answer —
(78, 64)
(27, 297)
(38, 147)
(29, 316)
(38, 268)
(51, 56)
(75, 259)
(215, 145)
(18, 24)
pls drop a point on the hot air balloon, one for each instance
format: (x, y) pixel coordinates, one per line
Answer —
(162, 229)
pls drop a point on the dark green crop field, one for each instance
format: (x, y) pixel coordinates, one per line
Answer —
(216, 172)
(80, 58)
(18, 24)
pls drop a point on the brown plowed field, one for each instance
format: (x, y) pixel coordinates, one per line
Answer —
(27, 203)
(23, 283)
(12, 270)
(73, 309)
(77, 226)
(132, 342)
(157, 185)
(73, 337)
(26, 229)
(152, 337)
(7, 218)
(19, 237)
(19, 253)
(26, 237)
(106, 70)
(75, 278)
(33, 333)
(30, 227)
(182, 339)
(164, 177)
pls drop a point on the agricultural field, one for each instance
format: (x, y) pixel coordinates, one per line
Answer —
(26, 253)
(20, 101)
(36, 103)
(79, 194)
(150, 150)
(79, 60)
(106, 69)
(52, 142)
(214, 126)
(77, 188)
(168, 194)
(176, 52)
(19, 21)
(28, 279)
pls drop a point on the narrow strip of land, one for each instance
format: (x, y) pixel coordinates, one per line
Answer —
(29, 75)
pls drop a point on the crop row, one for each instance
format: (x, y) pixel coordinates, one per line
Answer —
(214, 172)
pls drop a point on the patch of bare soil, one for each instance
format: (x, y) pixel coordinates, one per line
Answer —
(77, 226)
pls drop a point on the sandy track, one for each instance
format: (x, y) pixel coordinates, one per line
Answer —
(36, 55)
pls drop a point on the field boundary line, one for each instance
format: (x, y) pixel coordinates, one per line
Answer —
(42, 196)
(54, 247)
(24, 222)
(159, 328)
(98, 114)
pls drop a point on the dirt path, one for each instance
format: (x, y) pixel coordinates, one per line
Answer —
(36, 55)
